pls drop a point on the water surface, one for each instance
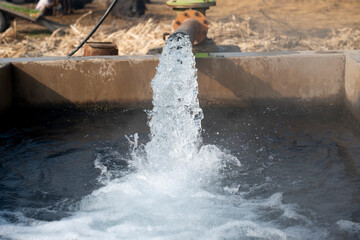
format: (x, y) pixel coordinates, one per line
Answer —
(299, 173)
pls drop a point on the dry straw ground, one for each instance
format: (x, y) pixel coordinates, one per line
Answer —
(139, 38)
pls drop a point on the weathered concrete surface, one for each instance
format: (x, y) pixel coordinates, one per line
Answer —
(6, 91)
(234, 77)
(114, 81)
(352, 83)
(305, 77)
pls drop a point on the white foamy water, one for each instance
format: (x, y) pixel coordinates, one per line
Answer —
(176, 190)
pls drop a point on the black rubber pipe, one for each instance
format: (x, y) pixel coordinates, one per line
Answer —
(95, 28)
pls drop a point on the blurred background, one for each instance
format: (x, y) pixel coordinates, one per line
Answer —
(135, 26)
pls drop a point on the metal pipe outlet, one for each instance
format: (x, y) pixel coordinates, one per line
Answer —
(192, 23)
(193, 29)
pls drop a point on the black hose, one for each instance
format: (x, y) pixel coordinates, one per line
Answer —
(95, 28)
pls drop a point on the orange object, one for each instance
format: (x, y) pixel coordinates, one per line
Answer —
(203, 23)
(100, 49)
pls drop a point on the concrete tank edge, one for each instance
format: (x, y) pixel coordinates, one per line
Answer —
(352, 83)
(310, 82)
(6, 88)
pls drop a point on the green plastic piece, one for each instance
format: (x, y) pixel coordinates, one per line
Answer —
(202, 55)
(209, 55)
(24, 11)
(191, 3)
(199, 5)
(184, 2)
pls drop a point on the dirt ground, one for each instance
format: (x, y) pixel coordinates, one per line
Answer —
(252, 25)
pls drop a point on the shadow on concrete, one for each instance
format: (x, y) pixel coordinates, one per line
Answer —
(357, 107)
(248, 89)
(235, 78)
(6, 95)
(29, 98)
(353, 113)
(30, 92)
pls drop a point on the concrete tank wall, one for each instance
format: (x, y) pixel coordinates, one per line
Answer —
(352, 83)
(6, 91)
(298, 77)
(120, 81)
(236, 78)
(232, 78)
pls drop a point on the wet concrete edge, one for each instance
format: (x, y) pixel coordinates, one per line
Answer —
(352, 83)
(235, 78)
(6, 88)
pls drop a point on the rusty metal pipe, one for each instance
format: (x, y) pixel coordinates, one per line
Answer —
(192, 23)
(190, 27)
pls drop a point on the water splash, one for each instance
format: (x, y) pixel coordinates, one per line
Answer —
(175, 189)
(175, 121)
(175, 147)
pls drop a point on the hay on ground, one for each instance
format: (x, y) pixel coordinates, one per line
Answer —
(138, 39)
